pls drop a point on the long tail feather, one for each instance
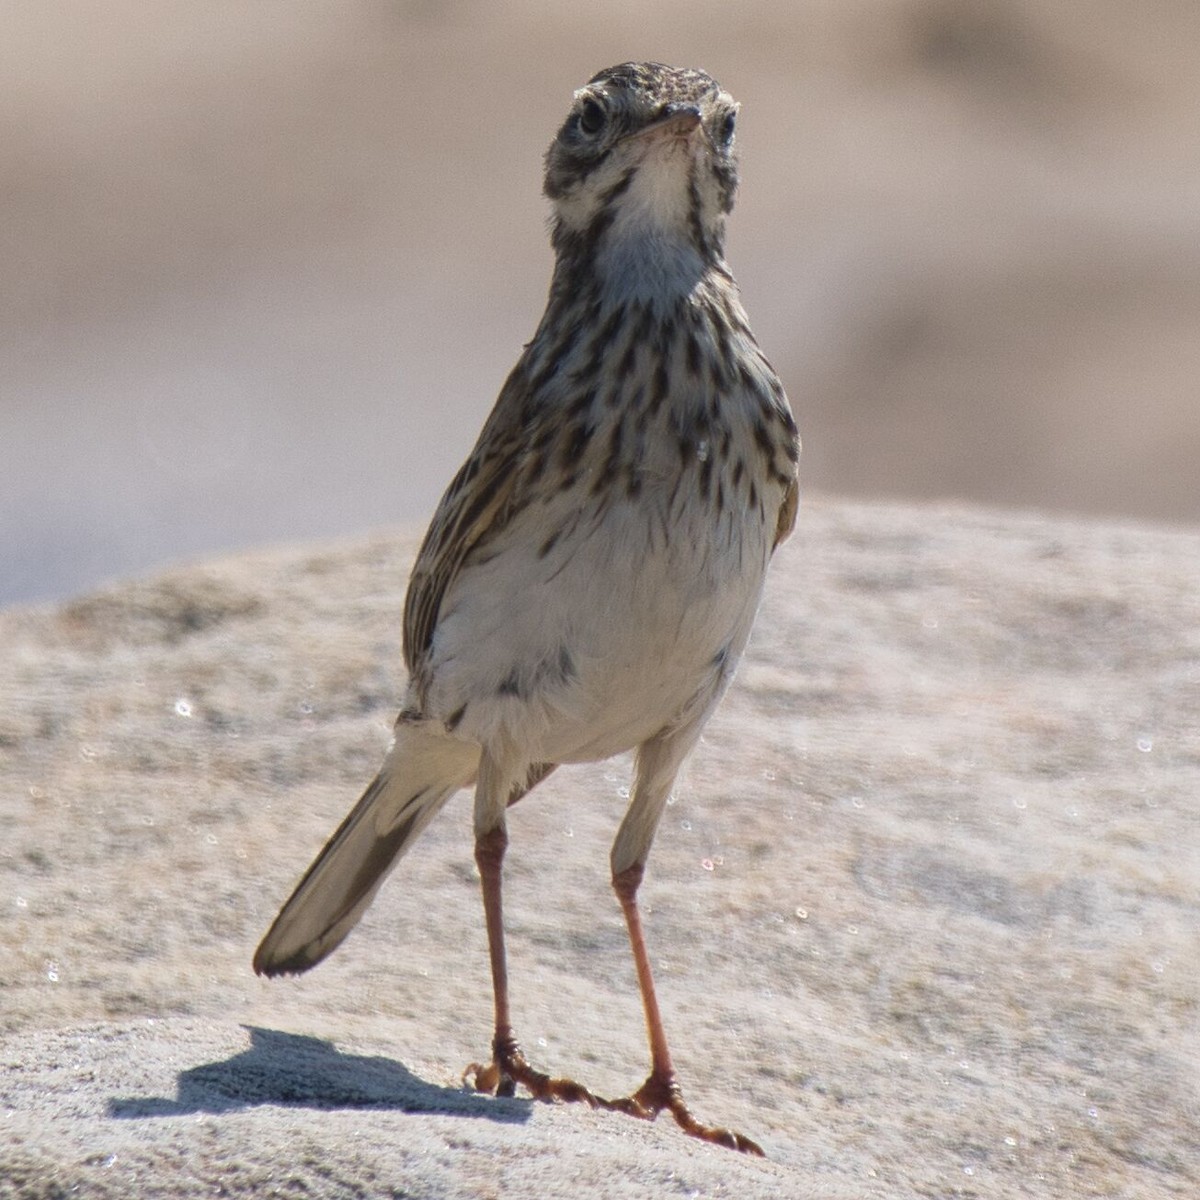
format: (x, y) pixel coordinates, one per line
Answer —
(421, 773)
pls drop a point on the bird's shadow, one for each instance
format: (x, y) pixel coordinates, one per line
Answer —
(307, 1072)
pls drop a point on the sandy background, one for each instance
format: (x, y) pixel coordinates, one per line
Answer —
(925, 910)
(263, 266)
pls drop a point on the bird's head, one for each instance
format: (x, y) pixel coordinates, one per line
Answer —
(644, 164)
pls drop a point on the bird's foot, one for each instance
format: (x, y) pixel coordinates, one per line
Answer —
(510, 1067)
(659, 1092)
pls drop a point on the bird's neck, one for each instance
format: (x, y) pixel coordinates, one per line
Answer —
(655, 270)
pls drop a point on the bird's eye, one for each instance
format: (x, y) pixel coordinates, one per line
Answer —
(727, 127)
(591, 116)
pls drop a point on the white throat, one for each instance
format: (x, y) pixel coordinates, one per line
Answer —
(649, 252)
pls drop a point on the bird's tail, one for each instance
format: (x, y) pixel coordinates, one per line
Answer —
(421, 772)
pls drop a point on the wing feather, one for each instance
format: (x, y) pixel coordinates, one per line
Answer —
(786, 521)
(478, 504)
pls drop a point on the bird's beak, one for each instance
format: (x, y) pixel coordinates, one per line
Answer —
(680, 120)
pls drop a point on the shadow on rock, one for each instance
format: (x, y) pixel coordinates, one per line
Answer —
(307, 1072)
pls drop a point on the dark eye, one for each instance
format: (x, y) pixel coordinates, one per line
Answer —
(591, 116)
(727, 127)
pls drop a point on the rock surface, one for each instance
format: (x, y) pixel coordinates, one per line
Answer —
(925, 911)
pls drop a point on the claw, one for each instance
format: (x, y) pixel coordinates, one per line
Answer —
(509, 1067)
(658, 1093)
(482, 1077)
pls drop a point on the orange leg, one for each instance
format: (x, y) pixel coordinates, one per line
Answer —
(509, 1065)
(661, 1090)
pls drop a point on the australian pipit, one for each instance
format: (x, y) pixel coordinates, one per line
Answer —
(590, 577)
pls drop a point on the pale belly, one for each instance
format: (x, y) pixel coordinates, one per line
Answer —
(627, 628)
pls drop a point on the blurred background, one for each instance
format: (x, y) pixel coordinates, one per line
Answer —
(263, 267)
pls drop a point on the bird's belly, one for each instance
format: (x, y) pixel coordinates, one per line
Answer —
(627, 626)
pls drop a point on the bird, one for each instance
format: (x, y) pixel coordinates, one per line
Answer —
(590, 577)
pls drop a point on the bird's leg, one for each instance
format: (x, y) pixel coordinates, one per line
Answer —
(661, 1090)
(509, 1065)
(489, 857)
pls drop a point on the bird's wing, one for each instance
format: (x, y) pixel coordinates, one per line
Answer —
(786, 521)
(480, 501)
